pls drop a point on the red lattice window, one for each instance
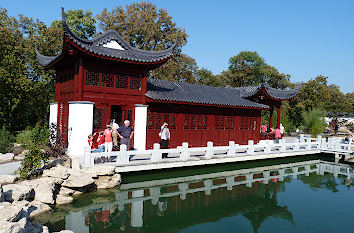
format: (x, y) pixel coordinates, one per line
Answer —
(173, 121)
(122, 81)
(98, 118)
(205, 122)
(186, 121)
(158, 122)
(199, 122)
(130, 116)
(232, 123)
(151, 120)
(193, 122)
(92, 78)
(221, 122)
(107, 80)
(227, 124)
(216, 122)
(243, 123)
(135, 83)
(166, 118)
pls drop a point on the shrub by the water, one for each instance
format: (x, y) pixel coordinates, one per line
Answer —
(314, 122)
(6, 140)
(35, 158)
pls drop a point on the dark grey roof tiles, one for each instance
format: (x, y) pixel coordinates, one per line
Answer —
(272, 92)
(96, 46)
(191, 93)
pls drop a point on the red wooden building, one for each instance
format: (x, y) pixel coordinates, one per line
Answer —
(113, 76)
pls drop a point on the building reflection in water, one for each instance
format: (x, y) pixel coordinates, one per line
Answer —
(170, 205)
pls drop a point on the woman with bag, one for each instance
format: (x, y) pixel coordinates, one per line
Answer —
(165, 137)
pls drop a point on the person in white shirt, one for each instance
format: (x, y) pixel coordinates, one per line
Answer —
(282, 130)
(165, 137)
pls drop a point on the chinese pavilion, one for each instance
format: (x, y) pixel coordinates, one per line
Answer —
(105, 79)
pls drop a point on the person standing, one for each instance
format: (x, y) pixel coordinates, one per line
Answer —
(115, 126)
(282, 129)
(100, 141)
(125, 133)
(264, 129)
(165, 137)
(277, 134)
(108, 139)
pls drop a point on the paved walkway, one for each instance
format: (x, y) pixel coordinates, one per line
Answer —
(9, 168)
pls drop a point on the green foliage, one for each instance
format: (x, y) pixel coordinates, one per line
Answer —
(35, 158)
(6, 140)
(24, 137)
(81, 22)
(314, 122)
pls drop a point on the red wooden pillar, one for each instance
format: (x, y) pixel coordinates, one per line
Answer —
(80, 80)
(278, 118)
(270, 119)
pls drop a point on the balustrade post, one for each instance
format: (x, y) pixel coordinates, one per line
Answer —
(230, 181)
(250, 148)
(266, 177)
(282, 145)
(183, 189)
(208, 184)
(185, 155)
(154, 194)
(123, 158)
(295, 171)
(297, 146)
(323, 144)
(307, 170)
(249, 180)
(281, 173)
(232, 149)
(87, 157)
(267, 147)
(319, 141)
(209, 150)
(301, 138)
(156, 155)
(308, 144)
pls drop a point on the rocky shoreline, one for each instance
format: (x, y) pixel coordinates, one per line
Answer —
(20, 201)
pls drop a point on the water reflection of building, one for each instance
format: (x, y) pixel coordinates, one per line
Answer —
(154, 206)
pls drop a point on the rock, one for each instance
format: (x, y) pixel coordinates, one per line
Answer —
(99, 170)
(62, 200)
(106, 182)
(64, 231)
(65, 191)
(45, 189)
(36, 207)
(8, 157)
(11, 213)
(18, 192)
(6, 179)
(45, 229)
(77, 193)
(2, 196)
(77, 180)
(57, 172)
(21, 156)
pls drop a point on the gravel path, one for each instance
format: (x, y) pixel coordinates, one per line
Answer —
(9, 168)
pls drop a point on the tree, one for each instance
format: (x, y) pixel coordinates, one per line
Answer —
(143, 26)
(81, 22)
(206, 77)
(314, 122)
(249, 69)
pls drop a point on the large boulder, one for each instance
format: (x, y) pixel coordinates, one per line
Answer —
(65, 191)
(106, 182)
(36, 207)
(62, 199)
(8, 157)
(78, 180)
(11, 212)
(99, 170)
(57, 172)
(64, 231)
(7, 179)
(18, 192)
(45, 189)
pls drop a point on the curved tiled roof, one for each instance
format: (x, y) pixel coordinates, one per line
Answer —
(95, 46)
(272, 92)
(199, 94)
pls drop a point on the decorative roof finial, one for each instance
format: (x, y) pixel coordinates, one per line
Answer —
(63, 14)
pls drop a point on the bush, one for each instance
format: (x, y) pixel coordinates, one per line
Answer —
(6, 140)
(56, 145)
(35, 158)
(24, 137)
(314, 122)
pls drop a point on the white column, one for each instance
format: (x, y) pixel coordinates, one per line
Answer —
(140, 122)
(137, 209)
(79, 127)
(53, 113)
(75, 221)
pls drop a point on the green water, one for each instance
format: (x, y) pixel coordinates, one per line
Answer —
(286, 195)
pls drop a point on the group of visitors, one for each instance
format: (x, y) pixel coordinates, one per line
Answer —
(278, 132)
(108, 139)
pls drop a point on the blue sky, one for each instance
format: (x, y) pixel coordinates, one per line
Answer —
(302, 38)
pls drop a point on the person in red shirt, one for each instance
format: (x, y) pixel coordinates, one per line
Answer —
(264, 128)
(100, 141)
(90, 142)
(277, 135)
(108, 139)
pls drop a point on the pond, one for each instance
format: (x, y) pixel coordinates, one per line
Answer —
(302, 194)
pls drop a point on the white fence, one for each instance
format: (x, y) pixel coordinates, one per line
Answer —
(185, 153)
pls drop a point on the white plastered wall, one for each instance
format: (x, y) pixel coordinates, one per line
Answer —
(53, 113)
(140, 123)
(79, 127)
